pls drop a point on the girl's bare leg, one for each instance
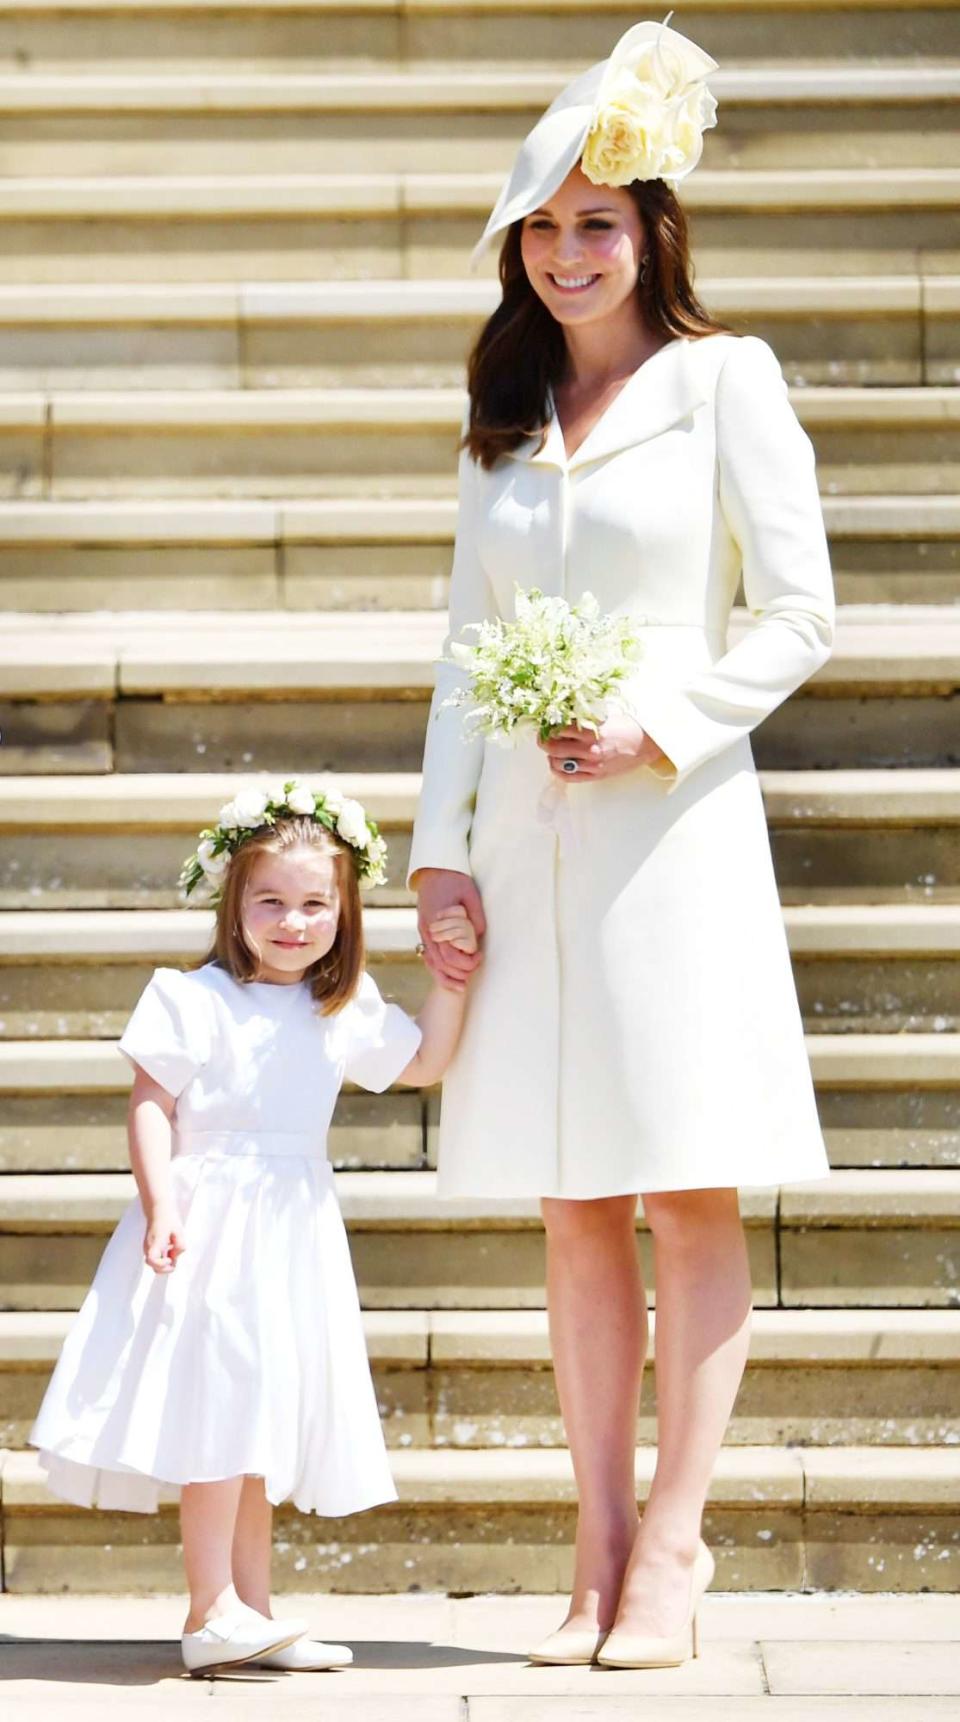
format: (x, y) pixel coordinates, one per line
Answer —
(704, 1299)
(208, 1514)
(253, 1546)
(598, 1334)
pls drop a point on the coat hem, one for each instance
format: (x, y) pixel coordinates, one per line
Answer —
(633, 1188)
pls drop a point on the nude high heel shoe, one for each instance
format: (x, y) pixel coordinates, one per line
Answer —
(629, 1650)
(569, 1649)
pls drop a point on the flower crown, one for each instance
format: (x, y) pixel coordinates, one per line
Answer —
(653, 107)
(252, 809)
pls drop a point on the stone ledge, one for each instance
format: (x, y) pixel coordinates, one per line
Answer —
(402, 410)
(335, 196)
(172, 653)
(864, 1478)
(94, 1201)
(32, 1339)
(172, 801)
(149, 935)
(414, 8)
(518, 1339)
(838, 1061)
(378, 520)
(749, 1477)
(366, 302)
(456, 89)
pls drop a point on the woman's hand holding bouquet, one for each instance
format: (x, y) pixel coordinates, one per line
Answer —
(559, 670)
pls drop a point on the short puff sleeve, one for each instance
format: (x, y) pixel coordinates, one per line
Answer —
(168, 1034)
(376, 1040)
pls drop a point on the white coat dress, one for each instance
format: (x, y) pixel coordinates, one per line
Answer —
(635, 1025)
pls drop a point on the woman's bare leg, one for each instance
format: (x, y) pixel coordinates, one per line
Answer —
(253, 1546)
(208, 1516)
(704, 1299)
(598, 1334)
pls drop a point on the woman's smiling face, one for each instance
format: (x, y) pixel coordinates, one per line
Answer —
(582, 250)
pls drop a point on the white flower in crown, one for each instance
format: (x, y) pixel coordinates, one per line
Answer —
(250, 806)
(652, 109)
(300, 799)
(352, 822)
(213, 862)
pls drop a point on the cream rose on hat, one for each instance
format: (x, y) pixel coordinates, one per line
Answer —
(641, 114)
(652, 110)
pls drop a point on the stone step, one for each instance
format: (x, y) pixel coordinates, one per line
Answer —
(235, 227)
(885, 1101)
(423, 36)
(188, 121)
(484, 1378)
(859, 1239)
(898, 329)
(872, 1519)
(117, 841)
(884, 968)
(400, 442)
(372, 553)
(145, 691)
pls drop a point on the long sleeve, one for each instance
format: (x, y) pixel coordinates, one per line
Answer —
(769, 499)
(451, 764)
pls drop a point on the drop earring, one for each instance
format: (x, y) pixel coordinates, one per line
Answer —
(644, 269)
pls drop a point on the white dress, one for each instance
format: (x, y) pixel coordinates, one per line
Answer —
(249, 1358)
(634, 1026)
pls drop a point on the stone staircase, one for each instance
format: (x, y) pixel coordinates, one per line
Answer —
(233, 316)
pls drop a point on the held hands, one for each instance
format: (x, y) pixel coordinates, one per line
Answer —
(619, 746)
(455, 928)
(450, 903)
(163, 1241)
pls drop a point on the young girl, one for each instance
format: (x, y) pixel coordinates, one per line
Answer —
(220, 1350)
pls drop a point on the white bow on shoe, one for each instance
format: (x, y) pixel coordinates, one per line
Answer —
(240, 1636)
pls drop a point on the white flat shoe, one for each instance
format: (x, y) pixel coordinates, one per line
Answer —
(242, 1635)
(307, 1656)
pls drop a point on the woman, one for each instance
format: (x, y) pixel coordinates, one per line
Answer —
(634, 1029)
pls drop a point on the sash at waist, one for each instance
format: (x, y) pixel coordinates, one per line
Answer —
(258, 1144)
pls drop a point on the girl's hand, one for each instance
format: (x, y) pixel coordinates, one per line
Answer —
(163, 1241)
(455, 928)
(619, 746)
(439, 890)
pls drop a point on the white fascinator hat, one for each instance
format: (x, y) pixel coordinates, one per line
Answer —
(641, 114)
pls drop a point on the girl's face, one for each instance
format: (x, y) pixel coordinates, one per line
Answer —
(290, 912)
(582, 250)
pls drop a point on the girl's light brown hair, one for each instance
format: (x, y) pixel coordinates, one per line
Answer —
(520, 354)
(335, 978)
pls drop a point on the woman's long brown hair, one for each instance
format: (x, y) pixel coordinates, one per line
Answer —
(520, 354)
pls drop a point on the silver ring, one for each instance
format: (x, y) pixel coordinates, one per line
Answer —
(569, 766)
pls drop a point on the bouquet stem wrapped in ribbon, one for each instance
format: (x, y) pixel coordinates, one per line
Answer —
(554, 666)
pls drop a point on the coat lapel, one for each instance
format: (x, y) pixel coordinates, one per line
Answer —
(665, 390)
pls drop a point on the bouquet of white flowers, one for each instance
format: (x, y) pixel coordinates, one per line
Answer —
(554, 666)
